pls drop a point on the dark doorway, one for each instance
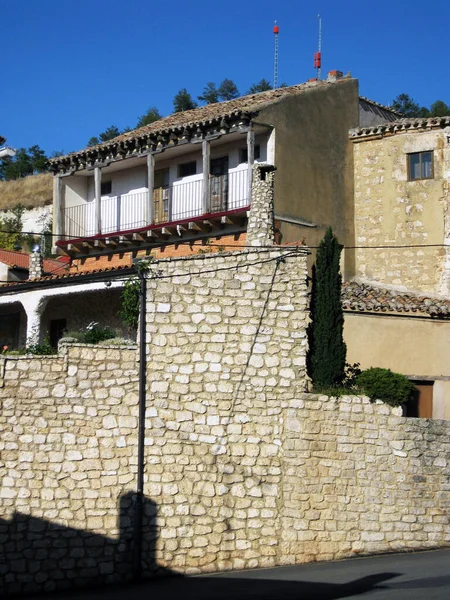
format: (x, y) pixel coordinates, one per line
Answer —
(57, 329)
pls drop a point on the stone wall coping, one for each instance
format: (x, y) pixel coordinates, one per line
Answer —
(301, 250)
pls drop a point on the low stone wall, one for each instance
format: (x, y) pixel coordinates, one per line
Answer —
(361, 479)
(67, 467)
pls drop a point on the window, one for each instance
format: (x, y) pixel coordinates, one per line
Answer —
(420, 166)
(106, 188)
(243, 154)
(186, 169)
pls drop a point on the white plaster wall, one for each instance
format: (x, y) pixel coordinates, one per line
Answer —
(75, 190)
(123, 208)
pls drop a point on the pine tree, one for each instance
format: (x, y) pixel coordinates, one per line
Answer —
(261, 86)
(228, 90)
(210, 93)
(150, 116)
(183, 101)
(327, 350)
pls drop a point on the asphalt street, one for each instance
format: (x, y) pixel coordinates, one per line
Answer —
(412, 576)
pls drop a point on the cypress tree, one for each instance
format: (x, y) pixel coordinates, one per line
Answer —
(327, 350)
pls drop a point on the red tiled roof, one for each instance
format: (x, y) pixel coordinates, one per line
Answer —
(363, 297)
(65, 275)
(21, 260)
(211, 113)
(399, 126)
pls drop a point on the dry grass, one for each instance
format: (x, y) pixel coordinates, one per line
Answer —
(30, 192)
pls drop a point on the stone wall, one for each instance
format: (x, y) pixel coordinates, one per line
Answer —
(392, 211)
(242, 468)
(67, 466)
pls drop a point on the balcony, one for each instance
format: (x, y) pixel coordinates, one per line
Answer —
(174, 204)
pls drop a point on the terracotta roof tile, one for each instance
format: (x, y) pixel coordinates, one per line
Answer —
(207, 114)
(399, 126)
(363, 297)
(66, 275)
(21, 260)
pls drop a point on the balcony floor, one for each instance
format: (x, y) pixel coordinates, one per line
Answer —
(163, 234)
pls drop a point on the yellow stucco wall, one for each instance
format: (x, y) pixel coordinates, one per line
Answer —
(314, 160)
(417, 347)
(392, 211)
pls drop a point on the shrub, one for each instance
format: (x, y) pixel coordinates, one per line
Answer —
(41, 349)
(97, 333)
(129, 310)
(383, 384)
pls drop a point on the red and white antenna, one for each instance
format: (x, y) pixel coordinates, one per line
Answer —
(276, 30)
(318, 55)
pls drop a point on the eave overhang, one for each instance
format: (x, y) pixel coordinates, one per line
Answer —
(230, 222)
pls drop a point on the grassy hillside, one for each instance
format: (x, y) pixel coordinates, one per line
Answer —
(30, 192)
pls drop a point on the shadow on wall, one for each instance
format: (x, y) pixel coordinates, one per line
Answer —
(39, 555)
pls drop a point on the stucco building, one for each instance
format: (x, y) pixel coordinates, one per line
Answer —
(398, 317)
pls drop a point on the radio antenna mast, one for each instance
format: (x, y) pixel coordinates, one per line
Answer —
(318, 55)
(276, 29)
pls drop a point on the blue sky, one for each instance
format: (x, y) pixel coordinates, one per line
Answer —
(71, 69)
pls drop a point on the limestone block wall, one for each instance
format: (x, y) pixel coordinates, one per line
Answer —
(226, 349)
(243, 469)
(67, 465)
(392, 211)
(361, 479)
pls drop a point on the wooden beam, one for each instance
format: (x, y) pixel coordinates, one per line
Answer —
(149, 215)
(139, 237)
(124, 239)
(74, 248)
(98, 198)
(167, 231)
(250, 160)
(206, 199)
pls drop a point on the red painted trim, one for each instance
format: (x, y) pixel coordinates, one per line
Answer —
(204, 217)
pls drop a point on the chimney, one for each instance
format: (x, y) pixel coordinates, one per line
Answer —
(334, 76)
(35, 269)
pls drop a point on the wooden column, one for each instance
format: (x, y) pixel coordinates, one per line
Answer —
(98, 199)
(250, 160)
(149, 212)
(206, 201)
(59, 217)
(58, 206)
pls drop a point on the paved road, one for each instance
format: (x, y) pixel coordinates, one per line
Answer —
(421, 575)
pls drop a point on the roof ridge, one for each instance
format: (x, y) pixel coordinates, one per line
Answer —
(389, 108)
(206, 114)
(400, 125)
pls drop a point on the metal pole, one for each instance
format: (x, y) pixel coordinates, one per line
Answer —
(137, 553)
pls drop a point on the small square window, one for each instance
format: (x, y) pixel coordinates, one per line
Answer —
(420, 166)
(106, 188)
(186, 169)
(243, 154)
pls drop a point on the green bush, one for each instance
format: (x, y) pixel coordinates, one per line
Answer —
(42, 349)
(383, 384)
(97, 333)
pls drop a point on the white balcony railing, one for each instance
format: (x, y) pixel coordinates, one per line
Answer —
(174, 203)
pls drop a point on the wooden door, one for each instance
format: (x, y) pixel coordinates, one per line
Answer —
(421, 405)
(219, 184)
(161, 196)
